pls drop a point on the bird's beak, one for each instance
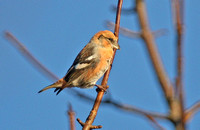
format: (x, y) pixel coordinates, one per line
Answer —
(116, 45)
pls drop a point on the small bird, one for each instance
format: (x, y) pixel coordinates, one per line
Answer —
(90, 64)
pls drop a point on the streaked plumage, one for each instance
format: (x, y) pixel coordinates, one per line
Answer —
(90, 64)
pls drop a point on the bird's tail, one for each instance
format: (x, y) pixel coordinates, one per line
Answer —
(59, 85)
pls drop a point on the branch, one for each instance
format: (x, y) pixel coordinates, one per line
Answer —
(93, 112)
(134, 110)
(149, 115)
(124, 31)
(71, 115)
(132, 34)
(125, 107)
(90, 126)
(23, 50)
(178, 13)
(153, 52)
(155, 123)
(191, 111)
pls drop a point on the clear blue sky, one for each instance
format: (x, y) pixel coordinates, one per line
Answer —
(55, 31)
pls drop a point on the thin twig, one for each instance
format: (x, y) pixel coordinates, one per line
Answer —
(153, 52)
(30, 57)
(149, 115)
(132, 34)
(191, 111)
(124, 31)
(93, 112)
(124, 107)
(134, 110)
(155, 123)
(71, 115)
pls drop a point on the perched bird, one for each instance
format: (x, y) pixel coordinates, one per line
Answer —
(90, 64)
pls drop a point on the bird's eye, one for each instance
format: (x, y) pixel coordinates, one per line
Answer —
(110, 39)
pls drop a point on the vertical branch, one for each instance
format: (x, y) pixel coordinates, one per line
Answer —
(71, 115)
(90, 119)
(153, 52)
(178, 5)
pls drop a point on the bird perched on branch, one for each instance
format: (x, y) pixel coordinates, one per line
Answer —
(90, 64)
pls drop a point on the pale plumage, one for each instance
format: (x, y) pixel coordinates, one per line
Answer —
(90, 64)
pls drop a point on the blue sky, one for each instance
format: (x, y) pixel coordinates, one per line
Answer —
(55, 31)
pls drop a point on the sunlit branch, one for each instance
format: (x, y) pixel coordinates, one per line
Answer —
(90, 119)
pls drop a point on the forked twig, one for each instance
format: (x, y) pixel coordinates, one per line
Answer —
(90, 126)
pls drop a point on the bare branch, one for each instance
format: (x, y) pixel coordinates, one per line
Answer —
(124, 107)
(93, 112)
(132, 34)
(155, 123)
(24, 51)
(134, 110)
(191, 111)
(149, 115)
(124, 31)
(71, 115)
(90, 126)
(153, 52)
(178, 13)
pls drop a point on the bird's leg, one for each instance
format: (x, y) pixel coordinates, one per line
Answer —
(101, 87)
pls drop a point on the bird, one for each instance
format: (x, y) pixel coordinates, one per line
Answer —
(90, 64)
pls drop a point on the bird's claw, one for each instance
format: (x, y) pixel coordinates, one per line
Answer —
(101, 87)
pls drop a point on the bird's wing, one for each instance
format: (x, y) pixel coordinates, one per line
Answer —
(86, 59)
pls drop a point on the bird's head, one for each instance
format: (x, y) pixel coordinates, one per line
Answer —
(107, 37)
